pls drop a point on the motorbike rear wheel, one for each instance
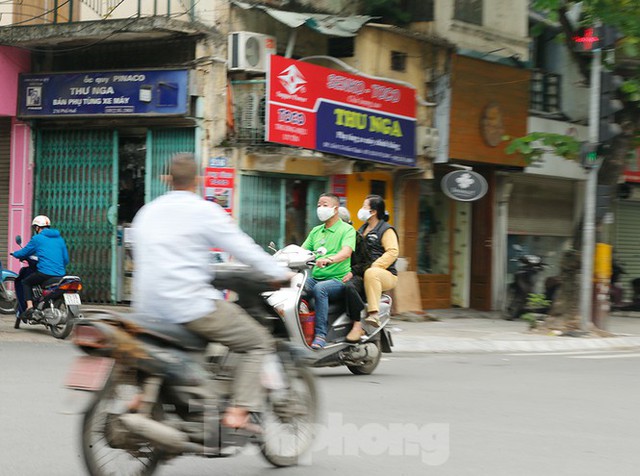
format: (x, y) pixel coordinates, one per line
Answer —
(65, 326)
(289, 421)
(369, 367)
(8, 300)
(107, 447)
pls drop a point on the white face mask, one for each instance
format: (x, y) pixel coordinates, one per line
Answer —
(364, 214)
(325, 213)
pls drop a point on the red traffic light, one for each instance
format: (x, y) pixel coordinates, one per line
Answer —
(586, 40)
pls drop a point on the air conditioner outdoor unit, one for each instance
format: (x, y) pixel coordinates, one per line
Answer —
(250, 51)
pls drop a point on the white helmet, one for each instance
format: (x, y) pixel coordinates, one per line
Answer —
(41, 221)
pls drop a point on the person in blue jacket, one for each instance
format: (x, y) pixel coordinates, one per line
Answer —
(50, 248)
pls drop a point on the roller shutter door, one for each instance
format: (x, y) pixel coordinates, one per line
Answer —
(541, 206)
(627, 242)
(5, 160)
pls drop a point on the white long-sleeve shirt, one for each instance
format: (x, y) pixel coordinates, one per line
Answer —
(172, 238)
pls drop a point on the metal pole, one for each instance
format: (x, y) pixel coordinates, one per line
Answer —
(588, 231)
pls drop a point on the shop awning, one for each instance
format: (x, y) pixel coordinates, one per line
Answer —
(331, 25)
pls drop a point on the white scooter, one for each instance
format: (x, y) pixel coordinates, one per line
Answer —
(292, 306)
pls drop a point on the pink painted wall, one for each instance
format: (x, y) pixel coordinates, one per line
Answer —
(20, 187)
(12, 62)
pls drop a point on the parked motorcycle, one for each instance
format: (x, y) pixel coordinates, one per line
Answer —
(8, 299)
(616, 292)
(160, 391)
(523, 284)
(294, 308)
(56, 302)
(632, 305)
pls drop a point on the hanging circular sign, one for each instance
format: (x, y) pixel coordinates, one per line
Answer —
(464, 185)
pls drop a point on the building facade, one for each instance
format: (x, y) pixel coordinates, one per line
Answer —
(108, 96)
(110, 92)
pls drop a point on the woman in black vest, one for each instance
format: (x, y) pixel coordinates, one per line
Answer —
(382, 243)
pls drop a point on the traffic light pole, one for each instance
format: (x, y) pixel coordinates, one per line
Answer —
(589, 229)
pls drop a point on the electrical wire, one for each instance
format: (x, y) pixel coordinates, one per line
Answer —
(133, 18)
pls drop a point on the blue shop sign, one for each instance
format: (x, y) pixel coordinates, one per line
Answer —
(375, 136)
(111, 93)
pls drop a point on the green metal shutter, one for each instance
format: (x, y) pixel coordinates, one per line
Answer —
(76, 188)
(263, 205)
(262, 208)
(316, 188)
(162, 144)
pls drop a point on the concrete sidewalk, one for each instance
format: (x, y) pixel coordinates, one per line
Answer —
(467, 330)
(455, 331)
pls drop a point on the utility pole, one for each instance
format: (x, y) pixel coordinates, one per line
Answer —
(589, 230)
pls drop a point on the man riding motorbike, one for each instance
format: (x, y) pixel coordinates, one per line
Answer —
(172, 239)
(338, 240)
(51, 250)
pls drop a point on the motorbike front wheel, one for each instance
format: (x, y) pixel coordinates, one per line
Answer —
(8, 300)
(289, 421)
(62, 329)
(515, 304)
(107, 447)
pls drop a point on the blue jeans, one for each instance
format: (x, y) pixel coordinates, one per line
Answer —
(322, 292)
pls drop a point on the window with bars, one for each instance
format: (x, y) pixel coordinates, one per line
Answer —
(468, 11)
(249, 109)
(545, 92)
(398, 61)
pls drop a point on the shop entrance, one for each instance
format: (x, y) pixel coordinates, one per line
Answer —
(131, 167)
(75, 178)
(482, 247)
(279, 208)
(91, 181)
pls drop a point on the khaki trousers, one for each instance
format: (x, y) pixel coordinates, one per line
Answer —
(377, 280)
(230, 325)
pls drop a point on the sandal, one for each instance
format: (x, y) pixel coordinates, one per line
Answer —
(238, 419)
(318, 343)
(355, 335)
(373, 320)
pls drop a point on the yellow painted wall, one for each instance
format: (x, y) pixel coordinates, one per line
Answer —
(359, 186)
(373, 56)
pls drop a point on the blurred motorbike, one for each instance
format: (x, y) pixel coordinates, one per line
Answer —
(56, 302)
(8, 298)
(160, 390)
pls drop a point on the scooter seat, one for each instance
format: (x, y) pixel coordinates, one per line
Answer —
(176, 335)
(336, 308)
(56, 280)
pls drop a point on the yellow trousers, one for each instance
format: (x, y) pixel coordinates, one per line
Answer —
(377, 280)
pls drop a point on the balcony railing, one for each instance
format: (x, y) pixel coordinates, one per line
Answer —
(41, 12)
(248, 100)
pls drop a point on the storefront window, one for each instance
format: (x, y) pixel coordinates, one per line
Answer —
(433, 230)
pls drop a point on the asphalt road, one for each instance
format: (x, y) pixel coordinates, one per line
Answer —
(441, 415)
